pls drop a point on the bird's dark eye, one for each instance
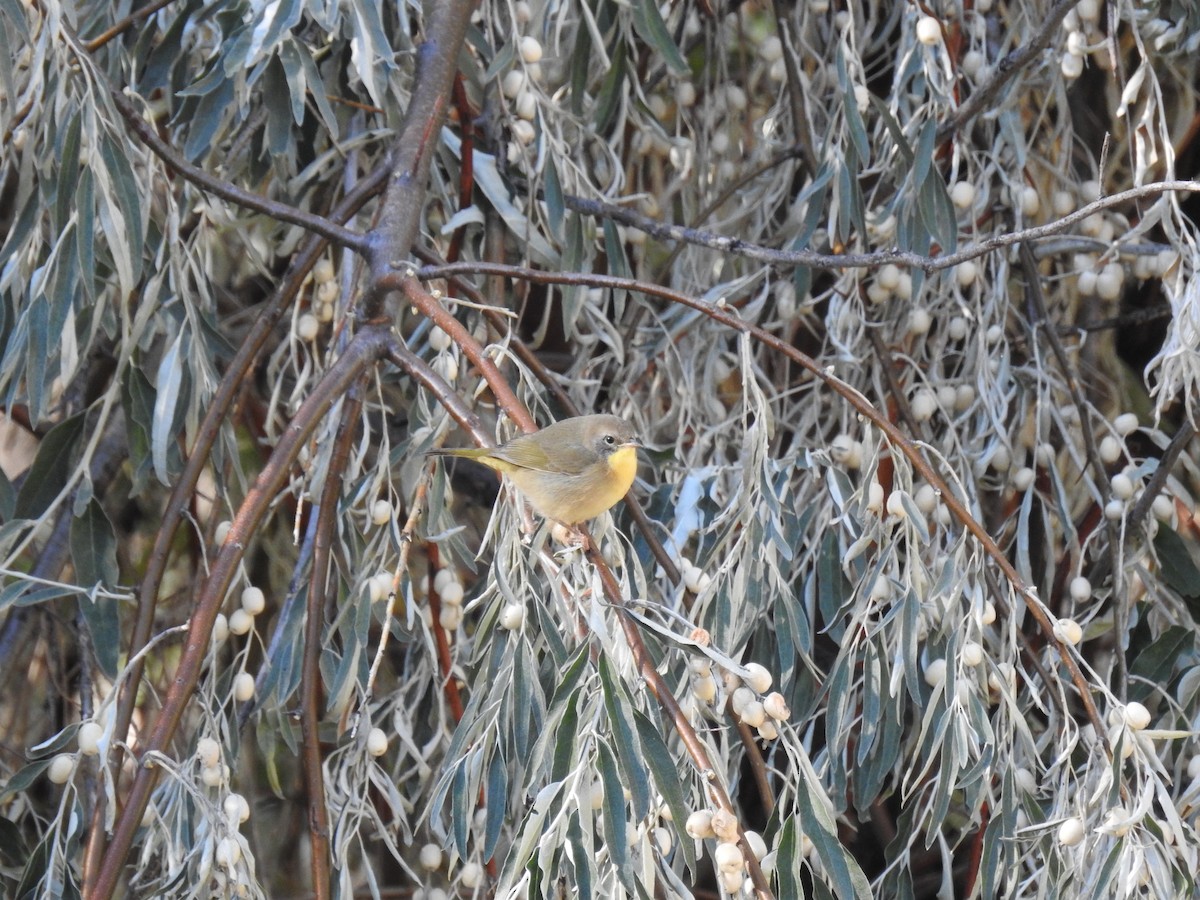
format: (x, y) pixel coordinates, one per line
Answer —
(610, 439)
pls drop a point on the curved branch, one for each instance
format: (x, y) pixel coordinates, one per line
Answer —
(222, 401)
(281, 212)
(368, 346)
(788, 258)
(1006, 69)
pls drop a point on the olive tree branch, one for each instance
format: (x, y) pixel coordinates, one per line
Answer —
(663, 231)
(368, 346)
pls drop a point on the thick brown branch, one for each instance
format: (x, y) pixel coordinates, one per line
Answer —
(367, 347)
(392, 237)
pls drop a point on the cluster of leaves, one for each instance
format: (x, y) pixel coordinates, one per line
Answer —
(862, 279)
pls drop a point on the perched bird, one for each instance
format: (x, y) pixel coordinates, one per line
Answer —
(570, 471)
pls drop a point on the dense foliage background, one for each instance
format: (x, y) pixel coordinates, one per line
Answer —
(901, 298)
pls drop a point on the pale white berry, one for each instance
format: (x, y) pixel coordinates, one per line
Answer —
(1030, 201)
(525, 106)
(513, 84)
(685, 93)
(1122, 486)
(776, 706)
(965, 274)
(446, 366)
(307, 327)
(972, 653)
(237, 810)
(439, 340)
(962, 194)
(208, 751)
(1110, 449)
(989, 613)
(377, 742)
(728, 857)
(929, 30)
(229, 853)
(1063, 203)
(430, 857)
(327, 293)
(381, 512)
(512, 616)
(1068, 631)
(1025, 780)
(1125, 424)
(1080, 589)
(523, 131)
(705, 688)
(724, 826)
(1114, 510)
(470, 875)
(935, 672)
(452, 593)
(450, 617)
(699, 824)
(926, 499)
(243, 687)
(530, 49)
(754, 714)
(964, 397)
(1024, 478)
(895, 504)
(888, 277)
(240, 621)
(771, 49)
(972, 63)
(60, 768)
(924, 405)
(1110, 281)
(958, 328)
(212, 776)
(1070, 832)
(1163, 507)
(756, 844)
(767, 730)
(1071, 65)
(846, 451)
(222, 532)
(253, 600)
(1137, 717)
(323, 271)
(758, 677)
(88, 737)
(740, 699)
(919, 321)
(875, 497)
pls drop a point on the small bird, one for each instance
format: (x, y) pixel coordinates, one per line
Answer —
(570, 471)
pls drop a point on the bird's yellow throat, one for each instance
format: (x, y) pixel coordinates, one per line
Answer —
(623, 464)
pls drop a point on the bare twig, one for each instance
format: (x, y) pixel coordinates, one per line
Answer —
(786, 258)
(310, 675)
(1006, 69)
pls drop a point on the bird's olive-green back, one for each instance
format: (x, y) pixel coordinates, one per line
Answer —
(567, 447)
